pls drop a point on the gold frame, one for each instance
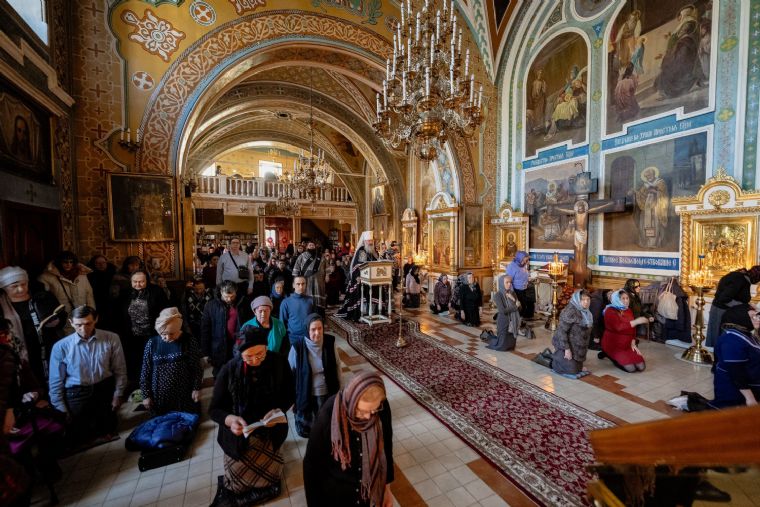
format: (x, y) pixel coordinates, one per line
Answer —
(720, 201)
(173, 195)
(508, 222)
(409, 222)
(444, 208)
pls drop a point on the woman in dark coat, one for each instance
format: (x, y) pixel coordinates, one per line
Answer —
(171, 370)
(101, 279)
(472, 302)
(732, 290)
(441, 295)
(138, 309)
(508, 316)
(349, 457)
(737, 359)
(571, 338)
(677, 331)
(248, 389)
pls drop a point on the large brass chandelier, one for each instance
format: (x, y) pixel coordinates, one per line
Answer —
(287, 204)
(428, 90)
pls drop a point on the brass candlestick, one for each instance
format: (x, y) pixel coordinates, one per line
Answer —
(696, 353)
(401, 341)
(556, 269)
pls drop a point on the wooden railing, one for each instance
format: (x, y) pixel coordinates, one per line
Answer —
(258, 188)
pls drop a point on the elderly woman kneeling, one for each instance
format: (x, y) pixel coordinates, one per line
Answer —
(248, 389)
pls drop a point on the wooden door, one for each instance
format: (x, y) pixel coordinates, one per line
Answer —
(31, 236)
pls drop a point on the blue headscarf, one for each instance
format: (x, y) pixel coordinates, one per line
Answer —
(588, 318)
(615, 301)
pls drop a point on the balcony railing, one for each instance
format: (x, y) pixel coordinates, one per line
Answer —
(258, 189)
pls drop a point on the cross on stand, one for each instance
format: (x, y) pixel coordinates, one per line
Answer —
(581, 186)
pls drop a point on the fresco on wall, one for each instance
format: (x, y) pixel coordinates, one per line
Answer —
(658, 59)
(378, 200)
(444, 172)
(24, 137)
(590, 8)
(556, 95)
(652, 176)
(544, 188)
(369, 9)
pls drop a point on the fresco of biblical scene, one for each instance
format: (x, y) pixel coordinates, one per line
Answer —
(652, 175)
(442, 242)
(545, 188)
(658, 59)
(556, 95)
(473, 227)
(590, 8)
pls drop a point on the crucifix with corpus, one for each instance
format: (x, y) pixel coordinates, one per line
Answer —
(581, 186)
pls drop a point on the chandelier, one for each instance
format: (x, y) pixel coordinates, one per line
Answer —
(427, 93)
(312, 175)
(287, 204)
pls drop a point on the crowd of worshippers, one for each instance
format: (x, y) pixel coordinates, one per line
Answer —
(78, 340)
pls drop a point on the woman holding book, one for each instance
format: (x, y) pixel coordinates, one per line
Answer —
(349, 457)
(250, 388)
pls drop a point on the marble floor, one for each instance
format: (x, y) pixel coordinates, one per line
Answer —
(434, 467)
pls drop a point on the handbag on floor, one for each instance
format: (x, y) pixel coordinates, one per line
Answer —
(544, 358)
(667, 305)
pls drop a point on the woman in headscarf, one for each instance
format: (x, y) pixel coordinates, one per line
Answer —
(571, 338)
(138, 308)
(737, 359)
(277, 296)
(441, 295)
(349, 457)
(248, 389)
(472, 302)
(317, 370)
(733, 290)
(456, 295)
(619, 339)
(66, 279)
(171, 369)
(275, 329)
(508, 316)
(412, 288)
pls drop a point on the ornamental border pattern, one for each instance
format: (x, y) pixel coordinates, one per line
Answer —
(162, 118)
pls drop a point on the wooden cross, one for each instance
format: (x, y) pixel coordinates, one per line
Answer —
(581, 185)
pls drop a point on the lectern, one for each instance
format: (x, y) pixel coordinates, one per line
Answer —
(376, 274)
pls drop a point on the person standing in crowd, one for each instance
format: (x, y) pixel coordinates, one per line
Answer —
(171, 369)
(138, 310)
(121, 280)
(262, 318)
(299, 250)
(101, 278)
(248, 389)
(309, 265)
(194, 301)
(219, 326)
(336, 281)
(571, 338)
(234, 267)
(277, 296)
(317, 370)
(365, 252)
(472, 302)
(88, 377)
(349, 457)
(441, 295)
(737, 359)
(282, 271)
(619, 339)
(508, 316)
(295, 311)
(456, 295)
(31, 339)
(518, 270)
(733, 290)
(209, 272)
(66, 279)
(408, 265)
(412, 288)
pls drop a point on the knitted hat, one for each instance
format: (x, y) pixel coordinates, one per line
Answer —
(261, 301)
(253, 335)
(12, 274)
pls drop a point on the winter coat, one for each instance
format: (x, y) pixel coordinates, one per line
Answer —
(156, 302)
(572, 333)
(214, 342)
(174, 428)
(68, 293)
(442, 293)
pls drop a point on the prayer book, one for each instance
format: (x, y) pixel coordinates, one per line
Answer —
(276, 416)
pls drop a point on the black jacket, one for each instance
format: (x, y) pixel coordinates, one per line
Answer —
(214, 342)
(156, 302)
(326, 484)
(734, 286)
(235, 394)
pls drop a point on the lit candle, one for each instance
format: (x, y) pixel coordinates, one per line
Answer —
(138, 135)
(121, 137)
(129, 135)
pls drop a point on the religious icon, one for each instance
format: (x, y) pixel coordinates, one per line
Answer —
(510, 247)
(442, 242)
(141, 207)
(378, 200)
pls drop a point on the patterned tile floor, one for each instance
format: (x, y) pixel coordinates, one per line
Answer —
(434, 467)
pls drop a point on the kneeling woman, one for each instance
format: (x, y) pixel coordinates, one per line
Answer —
(571, 338)
(247, 389)
(619, 339)
(737, 359)
(349, 457)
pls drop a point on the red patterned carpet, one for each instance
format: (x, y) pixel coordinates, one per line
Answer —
(538, 440)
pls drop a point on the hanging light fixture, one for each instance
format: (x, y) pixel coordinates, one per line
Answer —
(287, 204)
(428, 90)
(312, 176)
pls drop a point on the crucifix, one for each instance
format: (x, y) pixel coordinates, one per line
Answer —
(581, 186)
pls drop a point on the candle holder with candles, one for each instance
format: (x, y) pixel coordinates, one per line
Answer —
(556, 270)
(700, 282)
(126, 142)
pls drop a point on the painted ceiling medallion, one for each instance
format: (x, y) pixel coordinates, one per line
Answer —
(142, 80)
(202, 13)
(243, 6)
(156, 35)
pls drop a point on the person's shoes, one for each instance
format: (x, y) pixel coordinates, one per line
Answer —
(224, 497)
(708, 493)
(601, 355)
(257, 496)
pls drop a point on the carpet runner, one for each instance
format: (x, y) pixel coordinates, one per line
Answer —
(538, 440)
